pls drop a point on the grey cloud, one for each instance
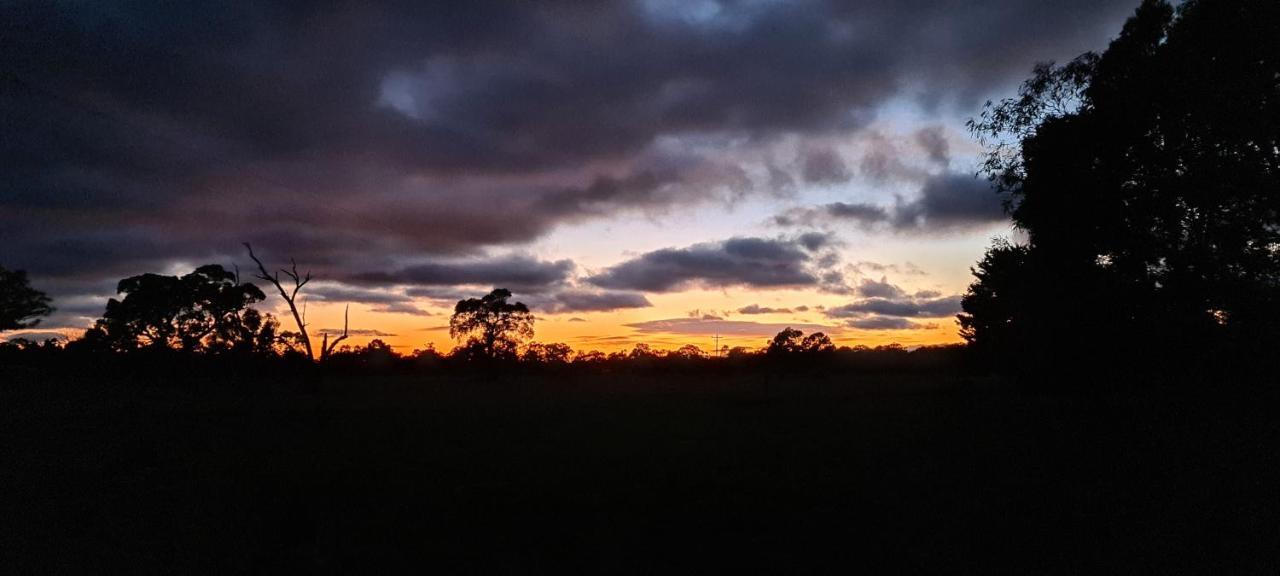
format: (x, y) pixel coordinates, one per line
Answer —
(723, 327)
(517, 272)
(947, 203)
(401, 308)
(869, 288)
(755, 262)
(753, 309)
(340, 293)
(901, 307)
(595, 301)
(886, 323)
(824, 166)
(813, 241)
(933, 141)
(359, 135)
(865, 215)
(951, 202)
(356, 332)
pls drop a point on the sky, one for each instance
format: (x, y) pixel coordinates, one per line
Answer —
(657, 171)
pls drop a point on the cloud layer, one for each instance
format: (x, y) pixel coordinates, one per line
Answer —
(381, 141)
(751, 262)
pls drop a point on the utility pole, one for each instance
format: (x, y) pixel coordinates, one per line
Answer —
(717, 337)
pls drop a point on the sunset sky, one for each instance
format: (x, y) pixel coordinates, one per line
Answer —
(649, 171)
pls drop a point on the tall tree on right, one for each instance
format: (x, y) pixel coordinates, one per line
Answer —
(1147, 180)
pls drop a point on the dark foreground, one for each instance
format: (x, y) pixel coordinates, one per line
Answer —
(634, 475)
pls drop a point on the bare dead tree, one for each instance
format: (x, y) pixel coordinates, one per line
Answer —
(290, 296)
(327, 347)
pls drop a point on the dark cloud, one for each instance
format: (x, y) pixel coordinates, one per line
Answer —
(401, 308)
(951, 202)
(824, 166)
(758, 309)
(814, 241)
(340, 293)
(882, 161)
(869, 288)
(576, 319)
(933, 141)
(901, 307)
(885, 306)
(754, 262)
(355, 332)
(356, 136)
(723, 327)
(886, 323)
(594, 301)
(865, 215)
(519, 273)
(948, 202)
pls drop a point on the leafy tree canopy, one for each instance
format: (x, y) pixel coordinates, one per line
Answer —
(491, 326)
(1147, 180)
(206, 310)
(21, 306)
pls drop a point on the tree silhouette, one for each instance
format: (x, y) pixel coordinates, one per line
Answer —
(816, 342)
(993, 316)
(791, 341)
(206, 310)
(290, 297)
(687, 352)
(1145, 179)
(554, 353)
(785, 342)
(493, 328)
(21, 306)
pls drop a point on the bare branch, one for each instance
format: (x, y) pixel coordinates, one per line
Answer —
(326, 347)
(288, 297)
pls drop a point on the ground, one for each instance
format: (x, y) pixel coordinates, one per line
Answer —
(634, 474)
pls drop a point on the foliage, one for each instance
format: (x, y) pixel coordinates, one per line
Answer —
(554, 353)
(791, 341)
(207, 310)
(1145, 179)
(493, 328)
(21, 306)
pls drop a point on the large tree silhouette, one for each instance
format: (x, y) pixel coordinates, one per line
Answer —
(21, 306)
(207, 310)
(1147, 179)
(493, 328)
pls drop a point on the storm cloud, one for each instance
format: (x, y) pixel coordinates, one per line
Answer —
(753, 262)
(886, 306)
(946, 203)
(711, 326)
(595, 301)
(373, 135)
(520, 273)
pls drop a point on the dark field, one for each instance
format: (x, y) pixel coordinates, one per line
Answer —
(642, 474)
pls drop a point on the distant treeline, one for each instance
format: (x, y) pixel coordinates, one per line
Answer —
(206, 318)
(378, 357)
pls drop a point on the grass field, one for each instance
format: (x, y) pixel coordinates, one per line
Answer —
(636, 474)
